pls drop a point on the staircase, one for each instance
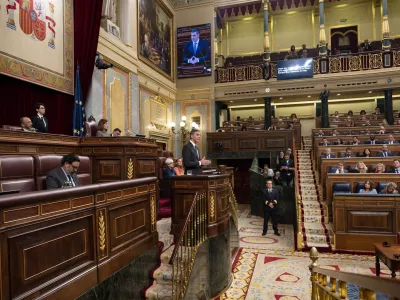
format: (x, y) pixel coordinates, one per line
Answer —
(162, 278)
(314, 214)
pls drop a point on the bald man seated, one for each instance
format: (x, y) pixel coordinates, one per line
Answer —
(26, 124)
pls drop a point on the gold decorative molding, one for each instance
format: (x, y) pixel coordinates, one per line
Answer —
(385, 27)
(102, 234)
(266, 41)
(130, 169)
(265, 3)
(212, 207)
(153, 212)
(322, 34)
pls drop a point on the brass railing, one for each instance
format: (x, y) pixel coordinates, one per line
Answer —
(193, 234)
(321, 65)
(338, 281)
(233, 206)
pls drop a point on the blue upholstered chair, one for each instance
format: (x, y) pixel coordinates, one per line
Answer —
(342, 187)
(381, 186)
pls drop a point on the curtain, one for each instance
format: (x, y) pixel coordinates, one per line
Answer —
(18, 98)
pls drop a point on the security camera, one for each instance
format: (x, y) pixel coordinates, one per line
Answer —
(100, 64)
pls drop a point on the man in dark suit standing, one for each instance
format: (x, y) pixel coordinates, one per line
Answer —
(271, 198)
(39, 121)
(287, 170)
(196, 51)
(65, 176)
(191, 154)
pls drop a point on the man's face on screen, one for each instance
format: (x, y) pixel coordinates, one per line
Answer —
(195, 37)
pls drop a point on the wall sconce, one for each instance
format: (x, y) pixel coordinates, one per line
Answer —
(182, 131)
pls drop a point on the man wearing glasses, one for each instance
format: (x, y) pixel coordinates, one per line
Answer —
(65, 176)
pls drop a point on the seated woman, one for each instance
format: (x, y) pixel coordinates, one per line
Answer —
(361, 167)
(363, 112)
(102, 128)
(385, 123)
(380, 168)
(368, 188)
(244, 128)
(390, 189)
(169, 169)
(350, 113)
(267, 172)
(293, 116)
(366, 153)
(179, 169)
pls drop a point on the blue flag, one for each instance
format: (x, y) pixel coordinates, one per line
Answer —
(79, 109)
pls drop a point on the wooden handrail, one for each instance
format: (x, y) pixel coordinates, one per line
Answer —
(338, 280)
(388, 286)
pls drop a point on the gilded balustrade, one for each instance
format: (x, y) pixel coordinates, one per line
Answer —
(194, 233)
(328, 284)
(334, 64)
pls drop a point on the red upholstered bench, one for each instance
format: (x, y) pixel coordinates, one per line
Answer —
(17, 173)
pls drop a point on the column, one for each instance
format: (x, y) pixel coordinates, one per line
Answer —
(218, 106)
(389, 106)
(216, 52)
(322, 35)
(267, 112)
(267, 52)
(386, 41)
(126, 20)
(228, 114)
(324, 96)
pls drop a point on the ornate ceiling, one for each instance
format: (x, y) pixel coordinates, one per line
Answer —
(180, 3)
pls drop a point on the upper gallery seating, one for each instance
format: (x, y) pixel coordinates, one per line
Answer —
(27, 173)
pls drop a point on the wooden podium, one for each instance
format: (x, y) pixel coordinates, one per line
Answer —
(220, 229)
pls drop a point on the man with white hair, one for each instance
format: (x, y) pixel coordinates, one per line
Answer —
(169, 169)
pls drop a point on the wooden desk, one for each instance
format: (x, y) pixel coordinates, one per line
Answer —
(385, 254)
(58, 244)
(113, 159)
(359, 221)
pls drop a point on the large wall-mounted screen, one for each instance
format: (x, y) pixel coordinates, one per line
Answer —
(295, 69)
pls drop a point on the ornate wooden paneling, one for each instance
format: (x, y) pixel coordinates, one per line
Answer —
(234, 144)
(362, 220)
(184, 191)
(39, 253)
(110, 156)
(60, 243)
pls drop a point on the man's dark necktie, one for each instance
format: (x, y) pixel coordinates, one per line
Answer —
(197, 152)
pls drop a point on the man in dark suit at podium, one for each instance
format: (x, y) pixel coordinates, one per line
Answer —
(271, 198)
(39, 121)
(197, 50)
(191, 154)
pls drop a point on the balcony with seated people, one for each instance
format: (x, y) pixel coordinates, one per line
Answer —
(333, 35)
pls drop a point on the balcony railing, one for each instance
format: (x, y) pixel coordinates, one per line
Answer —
(321, 65)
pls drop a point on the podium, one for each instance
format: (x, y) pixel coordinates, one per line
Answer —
(219, 224)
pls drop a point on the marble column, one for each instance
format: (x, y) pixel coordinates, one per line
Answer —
(386, 41)
(267, 112)
(218, 106)
(216, 48)
(389, 106)
(324, 96)
(322, 35)
(126, 10)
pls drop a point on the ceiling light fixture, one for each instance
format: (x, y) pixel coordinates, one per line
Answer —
(281, 98)
(338, 94)
(231, 101)
(309, 96)
(370, 92)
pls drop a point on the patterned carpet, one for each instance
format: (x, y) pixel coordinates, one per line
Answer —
(281, 274)
(314, 212)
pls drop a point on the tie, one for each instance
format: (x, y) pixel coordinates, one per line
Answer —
(195, 48)
(70, 179)
(197, 152)
(373, 142)
(391, 143)
(329, 156)
(384, 154)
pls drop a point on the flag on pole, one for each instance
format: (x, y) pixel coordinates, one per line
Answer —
(79, 109)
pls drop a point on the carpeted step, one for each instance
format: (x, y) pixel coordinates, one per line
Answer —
(316, 238)
(159, 291)
(163, 274)
(318, 245)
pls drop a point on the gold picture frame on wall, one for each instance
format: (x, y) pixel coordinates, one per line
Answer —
(42, 47)
(158, 112)
(155, 36)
